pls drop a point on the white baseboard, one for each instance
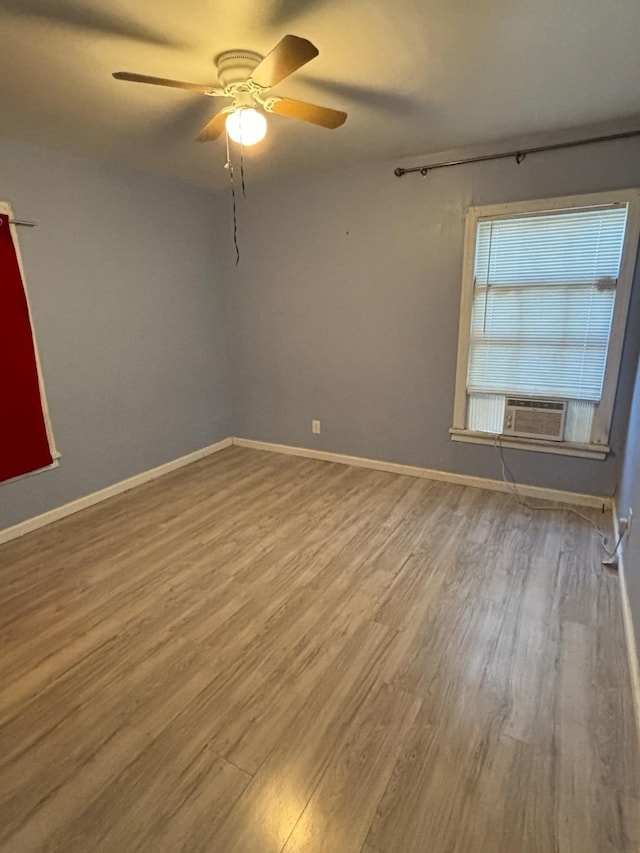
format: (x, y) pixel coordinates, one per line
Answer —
(538, 492)
(629, 631)
(110, 491)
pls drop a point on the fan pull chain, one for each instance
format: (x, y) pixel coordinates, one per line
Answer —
(244, 195)
(233, 196)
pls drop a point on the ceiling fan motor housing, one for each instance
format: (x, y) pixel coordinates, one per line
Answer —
(235, 66)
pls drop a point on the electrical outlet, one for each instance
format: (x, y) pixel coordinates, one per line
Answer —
(315, 427)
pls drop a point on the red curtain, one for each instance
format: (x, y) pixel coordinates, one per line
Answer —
(24, 443)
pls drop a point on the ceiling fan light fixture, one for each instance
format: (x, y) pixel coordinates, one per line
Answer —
(246, 126)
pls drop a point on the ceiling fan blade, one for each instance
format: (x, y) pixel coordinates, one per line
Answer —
(162, 81)
(324, 116)
(291, 53)
(214, 128)
(285, 11)
(376, 99)
(78, 15)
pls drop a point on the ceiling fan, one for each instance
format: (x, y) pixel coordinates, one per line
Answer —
(245, 78)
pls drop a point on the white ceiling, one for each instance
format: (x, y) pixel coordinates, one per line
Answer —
(415, 76)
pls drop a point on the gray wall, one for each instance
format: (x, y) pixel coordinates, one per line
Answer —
(124, 288)
(629, 497)
(345, 308)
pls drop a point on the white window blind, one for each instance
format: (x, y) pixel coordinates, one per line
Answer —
(544, 292)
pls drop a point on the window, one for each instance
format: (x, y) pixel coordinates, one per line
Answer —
(545, 293)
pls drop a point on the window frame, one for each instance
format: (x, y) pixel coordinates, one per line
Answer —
(598, 447)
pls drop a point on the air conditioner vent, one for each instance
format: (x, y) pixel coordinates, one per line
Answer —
(530, 418)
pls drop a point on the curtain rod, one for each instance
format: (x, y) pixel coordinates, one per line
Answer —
(27, 223)
(519, 153)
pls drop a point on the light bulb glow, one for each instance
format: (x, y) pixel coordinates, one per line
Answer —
(247, 126)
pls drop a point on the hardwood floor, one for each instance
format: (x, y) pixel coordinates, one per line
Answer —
(261, 653)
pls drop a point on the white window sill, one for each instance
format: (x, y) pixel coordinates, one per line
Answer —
(563, 448)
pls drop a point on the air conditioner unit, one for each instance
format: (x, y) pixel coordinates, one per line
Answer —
(534, 418)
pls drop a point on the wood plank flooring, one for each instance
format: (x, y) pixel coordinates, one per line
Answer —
(268, 654)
